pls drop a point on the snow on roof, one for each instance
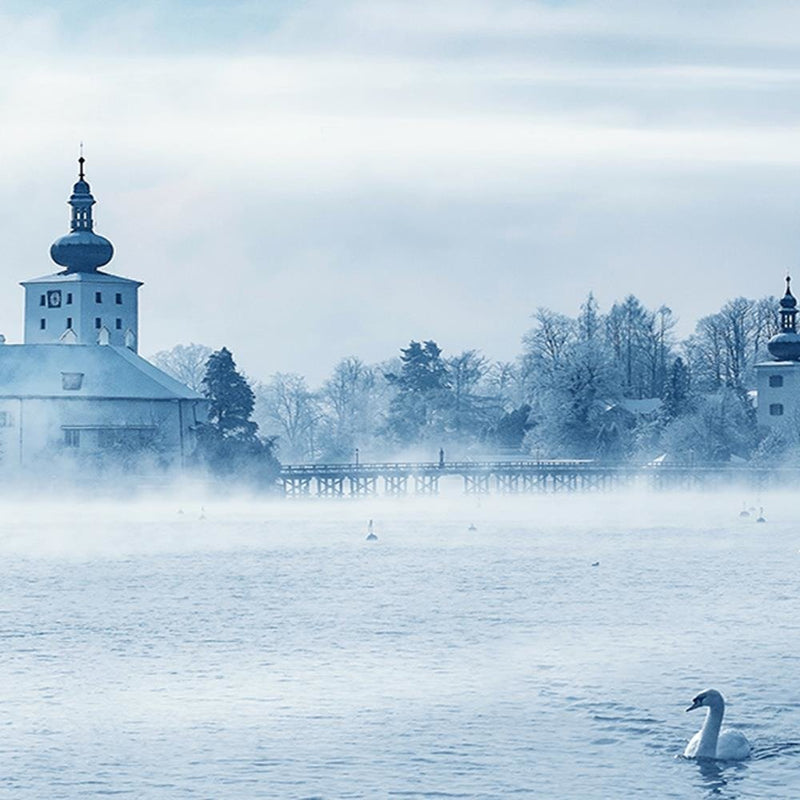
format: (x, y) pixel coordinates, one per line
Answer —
(37, 370)
(77, 277)
(646, 405)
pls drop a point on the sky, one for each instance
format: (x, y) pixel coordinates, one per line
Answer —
(308, 180)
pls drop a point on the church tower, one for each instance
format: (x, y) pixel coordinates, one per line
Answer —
(81, 305)
(778, 381)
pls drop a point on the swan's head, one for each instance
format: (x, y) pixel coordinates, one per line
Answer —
(710, 698)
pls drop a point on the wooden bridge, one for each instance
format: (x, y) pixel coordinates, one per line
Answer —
(504, 477)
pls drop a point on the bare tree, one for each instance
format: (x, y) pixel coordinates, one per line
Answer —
(186, 363)
(472, 411)
(348, 404)
(726, 345)
(287, 408)
(544, 347)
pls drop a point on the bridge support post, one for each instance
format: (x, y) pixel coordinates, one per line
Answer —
(361, 485)
(426, 484)
(296, 487)
(507, 482)
(477, 483)
(394, 485)
(330, 486)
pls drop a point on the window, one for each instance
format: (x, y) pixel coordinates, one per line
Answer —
(72, 438)
(776, 380)
(119, 324)
(69, 298)
(127, 439)
(71, 381)
(42, 300)
(776, 409)
(119, 298)
(69, 322)
(42, 324)
(98, 323)
(98, 297)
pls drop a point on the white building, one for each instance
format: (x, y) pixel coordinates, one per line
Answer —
(778, 381)
(76, 392)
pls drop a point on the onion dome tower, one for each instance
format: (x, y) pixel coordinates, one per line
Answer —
(80, 304)
(785, 345)
(81, 250)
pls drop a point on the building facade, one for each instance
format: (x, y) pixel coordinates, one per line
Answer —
(76, 393)
(778, 380)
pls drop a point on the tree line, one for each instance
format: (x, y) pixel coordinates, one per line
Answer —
(617, 386)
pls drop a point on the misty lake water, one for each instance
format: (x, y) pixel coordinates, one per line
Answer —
(267, 650)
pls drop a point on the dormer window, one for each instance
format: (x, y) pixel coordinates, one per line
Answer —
(71, 381)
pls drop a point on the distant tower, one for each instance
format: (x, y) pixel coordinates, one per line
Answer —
(785, 346)
(81, 305)
(778, 381)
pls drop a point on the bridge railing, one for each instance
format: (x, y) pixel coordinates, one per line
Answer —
(448, 467)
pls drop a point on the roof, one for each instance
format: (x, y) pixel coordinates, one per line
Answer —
(36, 370)
(76, 277)
(645, 405)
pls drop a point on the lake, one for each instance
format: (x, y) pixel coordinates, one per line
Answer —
(181, 648)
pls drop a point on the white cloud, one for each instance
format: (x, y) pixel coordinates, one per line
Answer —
(360, 173)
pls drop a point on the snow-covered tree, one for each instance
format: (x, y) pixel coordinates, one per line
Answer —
(350, 402)
(186, 363)
(287, 408)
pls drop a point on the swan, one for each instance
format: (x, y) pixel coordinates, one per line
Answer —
(371, 536)
(708, 742)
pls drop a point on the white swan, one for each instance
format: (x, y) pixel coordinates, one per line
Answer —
(708, 742)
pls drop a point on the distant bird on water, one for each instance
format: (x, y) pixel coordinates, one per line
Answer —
(744, 512)
(760, 517)
(709, 742)
(472, 527)
(371, 536)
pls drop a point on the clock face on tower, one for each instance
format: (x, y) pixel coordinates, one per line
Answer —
(54, 298)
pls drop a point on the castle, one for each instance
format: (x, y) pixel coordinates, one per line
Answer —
(75, 394)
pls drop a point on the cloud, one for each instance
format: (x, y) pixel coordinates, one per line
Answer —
(305, 180)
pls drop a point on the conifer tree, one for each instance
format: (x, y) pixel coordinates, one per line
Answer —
(229, 443)
(230, 397)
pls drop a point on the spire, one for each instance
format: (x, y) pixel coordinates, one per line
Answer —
(788, 310)
(785, 345)
(81, 250)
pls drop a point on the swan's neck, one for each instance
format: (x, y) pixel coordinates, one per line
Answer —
(709, 733)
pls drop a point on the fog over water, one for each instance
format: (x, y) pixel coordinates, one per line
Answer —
(265, 649)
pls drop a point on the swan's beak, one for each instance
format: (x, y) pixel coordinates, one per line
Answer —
(695, 704)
